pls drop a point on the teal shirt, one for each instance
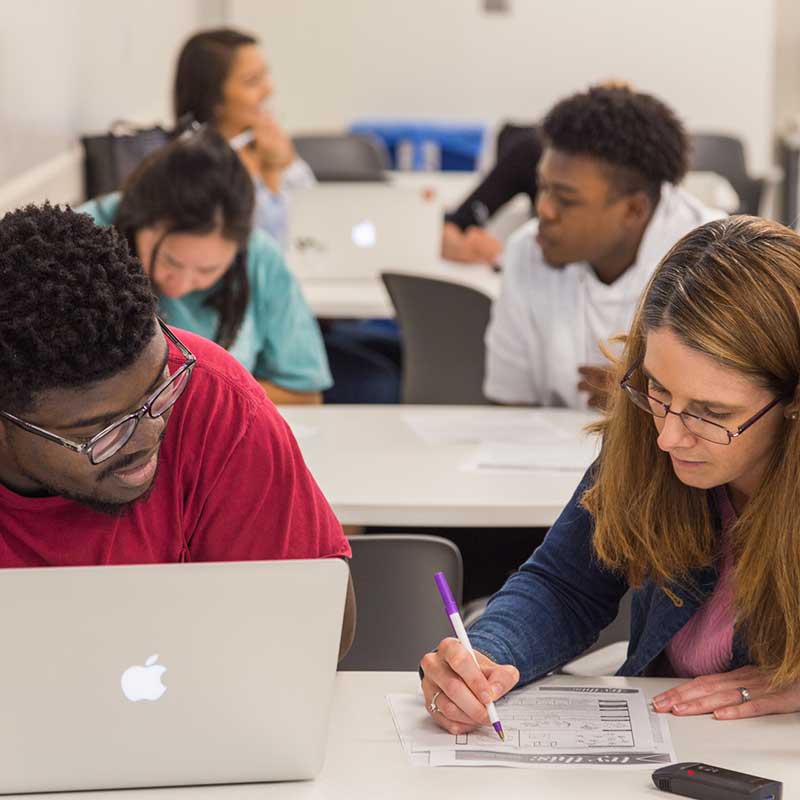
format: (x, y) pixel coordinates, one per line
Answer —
(279, 339)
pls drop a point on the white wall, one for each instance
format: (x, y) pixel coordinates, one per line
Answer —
(339, 60)
(787, 60)
(72, 66)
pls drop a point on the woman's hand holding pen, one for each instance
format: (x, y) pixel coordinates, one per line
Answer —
(462, 688)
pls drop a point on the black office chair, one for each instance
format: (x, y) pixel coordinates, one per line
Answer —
(442, 326)
(399, 613)
(511, 133)
(724, 155)
(343, 157)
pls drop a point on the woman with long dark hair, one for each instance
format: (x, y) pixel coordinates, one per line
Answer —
(223, 80)
(692, 504)
(187, 212)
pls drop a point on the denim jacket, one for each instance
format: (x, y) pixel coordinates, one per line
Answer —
(555, 606)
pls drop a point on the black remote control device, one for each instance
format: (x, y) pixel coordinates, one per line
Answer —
(693, 779)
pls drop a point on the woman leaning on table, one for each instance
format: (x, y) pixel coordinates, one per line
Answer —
(694, 502)
(187, 213)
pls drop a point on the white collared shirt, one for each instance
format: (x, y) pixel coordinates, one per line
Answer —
(548, 321)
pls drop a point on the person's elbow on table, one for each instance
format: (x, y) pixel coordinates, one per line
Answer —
(281, 396)
(456, 690)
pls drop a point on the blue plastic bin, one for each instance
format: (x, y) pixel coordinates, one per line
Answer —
(459, 143)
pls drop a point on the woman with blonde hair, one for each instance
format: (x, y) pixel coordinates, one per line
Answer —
(693, 502)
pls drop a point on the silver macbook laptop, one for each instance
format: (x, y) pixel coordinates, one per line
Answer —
(167, 675)
(355, 231)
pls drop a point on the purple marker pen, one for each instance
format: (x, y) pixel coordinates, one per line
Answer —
(451, 609)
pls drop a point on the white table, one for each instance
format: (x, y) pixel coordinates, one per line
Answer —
(374, 470)
(448, 188)
(365, 760)
(451, 188)
(367, 298)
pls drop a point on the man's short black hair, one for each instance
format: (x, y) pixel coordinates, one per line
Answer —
(75, 305)
(635, 134)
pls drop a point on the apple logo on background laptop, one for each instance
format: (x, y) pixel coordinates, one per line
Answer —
(364, 234)
(144, 683)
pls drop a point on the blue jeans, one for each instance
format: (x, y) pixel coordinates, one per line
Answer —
(365, 358)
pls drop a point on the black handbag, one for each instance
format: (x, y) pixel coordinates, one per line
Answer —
(111, 157)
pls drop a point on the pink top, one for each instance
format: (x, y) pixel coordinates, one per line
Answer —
(703, 646)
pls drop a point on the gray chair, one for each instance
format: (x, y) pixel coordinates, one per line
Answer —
(725, 155)
(604, 657)
(608, 653)
(620, 629)
(399, 613)
(343, 157)
(442, 325)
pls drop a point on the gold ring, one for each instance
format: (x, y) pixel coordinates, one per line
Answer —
(433, 708)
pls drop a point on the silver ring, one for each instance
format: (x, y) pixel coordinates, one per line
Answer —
(744, 693)
(433, 708)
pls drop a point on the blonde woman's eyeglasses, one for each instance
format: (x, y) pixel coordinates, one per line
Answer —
(698, 426)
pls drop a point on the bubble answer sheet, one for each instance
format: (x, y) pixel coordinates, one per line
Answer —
(553, 726)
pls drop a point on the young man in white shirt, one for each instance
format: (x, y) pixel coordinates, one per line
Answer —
(608, 211)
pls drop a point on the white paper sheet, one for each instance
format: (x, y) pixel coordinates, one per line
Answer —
(511, 425)
(582, 726)
(569, 456)
(510, 439)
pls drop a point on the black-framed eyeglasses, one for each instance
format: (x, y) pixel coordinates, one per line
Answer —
(698, 426)
(112, 439)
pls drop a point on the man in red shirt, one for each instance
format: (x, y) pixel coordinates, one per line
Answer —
(123, 441)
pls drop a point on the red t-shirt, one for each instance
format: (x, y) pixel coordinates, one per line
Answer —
(231, 486)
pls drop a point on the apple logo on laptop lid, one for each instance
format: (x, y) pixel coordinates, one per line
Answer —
(144, 683)
(364, 234)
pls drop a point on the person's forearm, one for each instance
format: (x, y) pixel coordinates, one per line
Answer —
(281, 396)
(494, 191)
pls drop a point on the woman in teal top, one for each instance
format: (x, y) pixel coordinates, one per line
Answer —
(187, 213)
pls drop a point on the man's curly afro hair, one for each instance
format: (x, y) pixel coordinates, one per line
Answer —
(635, 134)
(75, 305)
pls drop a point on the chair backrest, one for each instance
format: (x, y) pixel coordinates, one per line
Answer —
(442, 326)
(399, 613)
(724, 155)
(619, 630)
(111, 157)
(511, 133)
(343, 157)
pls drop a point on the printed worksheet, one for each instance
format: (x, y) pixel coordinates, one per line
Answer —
(510, 425)
(545, 725)
(569, 456)
(509, 439)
